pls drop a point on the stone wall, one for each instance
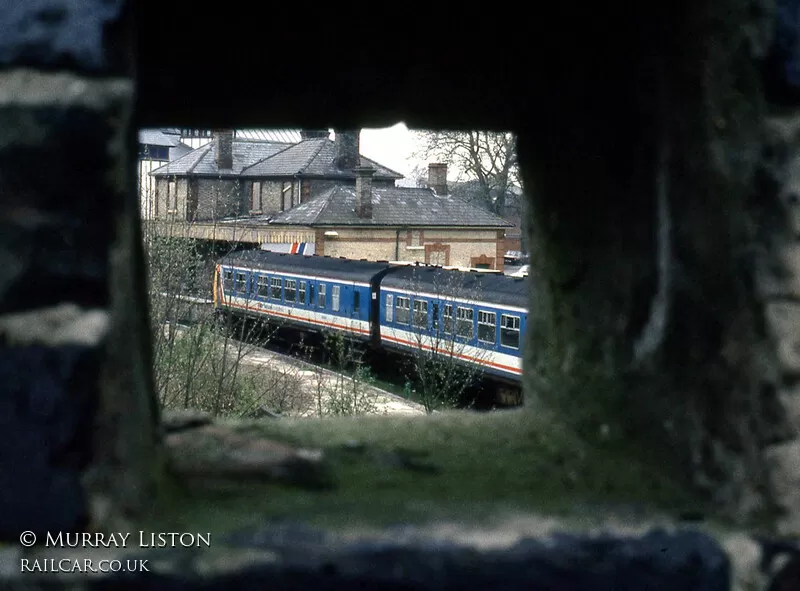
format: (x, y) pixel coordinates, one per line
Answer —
(391, 244)
(220, 198)
(79, 420)
(80, 440)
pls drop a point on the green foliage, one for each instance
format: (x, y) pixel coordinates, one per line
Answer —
(478, 465)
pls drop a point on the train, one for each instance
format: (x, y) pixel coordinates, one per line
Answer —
(477, 319)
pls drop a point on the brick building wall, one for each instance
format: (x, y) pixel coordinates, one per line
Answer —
(457, 247)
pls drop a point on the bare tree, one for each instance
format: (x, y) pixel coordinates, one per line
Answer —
(198, 355)
(444, 364)
(488, 158)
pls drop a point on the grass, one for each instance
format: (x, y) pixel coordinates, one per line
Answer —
(473, 467)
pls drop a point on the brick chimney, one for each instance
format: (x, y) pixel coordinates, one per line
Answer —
(223, 146)
(310, 134)
(347, 150)
(364, 191)
(437, 178)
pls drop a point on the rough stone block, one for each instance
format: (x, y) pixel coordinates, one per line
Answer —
(59, 33)
(46, 413)
(784, 461)
(790, 401)
(57, 136)
(784, 282)
(783, 321)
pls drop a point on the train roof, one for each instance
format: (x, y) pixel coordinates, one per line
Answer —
(318, 266)
(498, 289)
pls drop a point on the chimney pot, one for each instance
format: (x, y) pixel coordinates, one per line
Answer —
(347, 150)
(223, 147)
(364, 191)
(437, 178)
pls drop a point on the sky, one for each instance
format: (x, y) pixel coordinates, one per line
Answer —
(390, 146)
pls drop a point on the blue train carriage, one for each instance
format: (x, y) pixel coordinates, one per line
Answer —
(309, 292)
(478, 318)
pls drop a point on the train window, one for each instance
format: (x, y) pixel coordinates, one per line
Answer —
(275, 285)
(389, 308)
(509, 331)
(310, 294)
(447, 317)
(403, 310)
(241, 282)
(290, 290)
(321, 296)
(227, 281)
(302, 293)
(335, 289)
(487, 327)
(435, 316)
(356, 300)
(263, 287)
(420, 314)
(465, 326)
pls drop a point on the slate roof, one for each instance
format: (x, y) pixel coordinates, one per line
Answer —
(202, 161)
(391, 206)
(178, 151)
(312, 158)
(159, 137)
(260, 159)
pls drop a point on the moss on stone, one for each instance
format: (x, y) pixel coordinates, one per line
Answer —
(455, 465)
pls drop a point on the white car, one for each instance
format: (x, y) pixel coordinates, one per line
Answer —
(522, 272)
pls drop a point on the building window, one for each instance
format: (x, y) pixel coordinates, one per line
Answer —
(263, 287)
(335, 297)
(487, 327)
(389, 308)
(416, 237)
(241, 282)
(464, 323)
(275, 285)
(447, 317)
(227, 280)
(301, 293)
(321, 296)
(255, 197)
(172, 196)
(509, 331)
(420, 314)
(403, 310)
(356, 301)
(290, 290)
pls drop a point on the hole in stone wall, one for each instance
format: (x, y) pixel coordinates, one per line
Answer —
(278, 255)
